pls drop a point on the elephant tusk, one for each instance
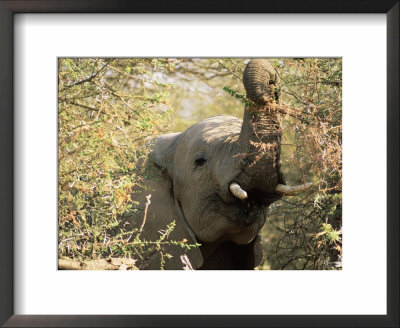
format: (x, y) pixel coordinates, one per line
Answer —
(237, 191)
(292, 191)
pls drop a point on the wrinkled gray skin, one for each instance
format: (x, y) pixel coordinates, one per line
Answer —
(197, 167)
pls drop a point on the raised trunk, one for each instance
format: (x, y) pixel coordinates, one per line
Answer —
(260, 137)
(260, 147)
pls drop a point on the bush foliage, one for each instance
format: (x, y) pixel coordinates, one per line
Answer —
(106, 109)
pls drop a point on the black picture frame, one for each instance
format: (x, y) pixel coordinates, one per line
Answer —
(7, 10)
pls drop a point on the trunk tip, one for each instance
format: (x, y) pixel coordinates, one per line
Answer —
(260, 81)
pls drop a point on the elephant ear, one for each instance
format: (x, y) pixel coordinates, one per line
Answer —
(163, 210)
(177, 249)
(163, 150)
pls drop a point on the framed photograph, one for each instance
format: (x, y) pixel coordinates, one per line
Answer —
(203, 165)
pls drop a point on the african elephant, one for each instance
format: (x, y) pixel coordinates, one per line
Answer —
(217, 180)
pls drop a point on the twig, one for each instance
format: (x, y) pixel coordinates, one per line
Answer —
(185, 260)
(148, 202)
(229, 70)
(89, 78)
(80, 105)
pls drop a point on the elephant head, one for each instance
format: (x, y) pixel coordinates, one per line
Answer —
(223, 172)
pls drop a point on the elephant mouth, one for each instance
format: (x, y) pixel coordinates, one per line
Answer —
(243, 221)
(248, 211)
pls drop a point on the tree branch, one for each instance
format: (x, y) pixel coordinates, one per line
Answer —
(102, 264)
(89, 78)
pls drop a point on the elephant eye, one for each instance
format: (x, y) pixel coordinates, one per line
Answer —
(200, 160)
